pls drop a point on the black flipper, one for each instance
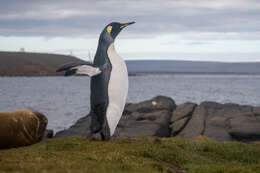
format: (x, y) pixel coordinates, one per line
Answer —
(83, 68)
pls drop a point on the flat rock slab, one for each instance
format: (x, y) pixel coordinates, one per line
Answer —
(180, 117)
(196, 124)
(182, 111)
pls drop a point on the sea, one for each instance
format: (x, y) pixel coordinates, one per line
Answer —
(65, 99)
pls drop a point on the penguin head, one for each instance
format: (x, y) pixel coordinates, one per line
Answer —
(111, 31)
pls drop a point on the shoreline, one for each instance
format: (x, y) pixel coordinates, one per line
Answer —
(146, 74)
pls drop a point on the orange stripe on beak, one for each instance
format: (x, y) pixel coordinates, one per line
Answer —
(126, 24)
(123, 26)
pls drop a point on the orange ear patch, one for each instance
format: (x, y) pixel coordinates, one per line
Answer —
(109, 29)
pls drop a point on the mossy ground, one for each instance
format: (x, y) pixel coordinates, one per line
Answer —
(142, 154)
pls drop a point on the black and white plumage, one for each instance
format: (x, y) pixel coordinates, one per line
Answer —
(109, 82)
(83, 68)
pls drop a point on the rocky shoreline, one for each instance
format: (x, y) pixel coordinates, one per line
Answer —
(161, 117)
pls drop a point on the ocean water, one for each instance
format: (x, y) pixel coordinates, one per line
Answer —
(65, 99)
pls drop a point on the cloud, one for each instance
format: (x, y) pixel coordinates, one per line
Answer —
(50, 18)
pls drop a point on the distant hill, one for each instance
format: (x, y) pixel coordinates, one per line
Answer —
(42, 64)
(170, 66)
(32, 64)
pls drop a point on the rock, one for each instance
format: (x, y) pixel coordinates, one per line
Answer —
(179, 125)
(180, 117)
(156, 103)
(222, 122)
(150, 118)
(144, 124)
(218, 120)
(196, 124)
(216, 123)
(48, 133)
(159, 117)
(21, 128)
(182, 111)
(80, 128)
(245, 127)
(216, 128)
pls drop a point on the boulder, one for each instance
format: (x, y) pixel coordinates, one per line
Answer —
(181, 116)
(245, 127)
(150, 118)
(196, 124)
(80, 128)
(222, 122)
(155, 104)
(160, 117)
(154, 123)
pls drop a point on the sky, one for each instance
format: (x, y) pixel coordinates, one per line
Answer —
(203, 30)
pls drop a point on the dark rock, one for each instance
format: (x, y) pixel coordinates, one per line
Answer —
(156, 103)
(180, 117)
(218, 120)
(179, 125)
(245, 127)
(216, 128)
(222, 122)
(150, 118)
(144, 124)
(196, 124)
(80, 128)
(48, 133)
(159, 117)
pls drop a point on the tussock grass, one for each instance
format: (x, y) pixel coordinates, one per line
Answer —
(142, 154)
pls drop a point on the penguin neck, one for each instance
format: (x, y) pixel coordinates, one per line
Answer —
(101, 56)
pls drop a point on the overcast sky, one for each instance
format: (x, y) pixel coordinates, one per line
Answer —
(212, 30)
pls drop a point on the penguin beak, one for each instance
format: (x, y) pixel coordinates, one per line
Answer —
(126, 24)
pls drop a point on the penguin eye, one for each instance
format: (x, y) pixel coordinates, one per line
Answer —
(109, 29)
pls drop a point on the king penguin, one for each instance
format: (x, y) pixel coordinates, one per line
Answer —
(108, 84)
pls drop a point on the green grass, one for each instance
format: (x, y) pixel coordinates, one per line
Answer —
(143, 154)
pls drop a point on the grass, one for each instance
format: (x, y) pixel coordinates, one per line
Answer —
(142, 154)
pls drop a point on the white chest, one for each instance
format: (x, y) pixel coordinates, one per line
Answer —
(117, 89)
